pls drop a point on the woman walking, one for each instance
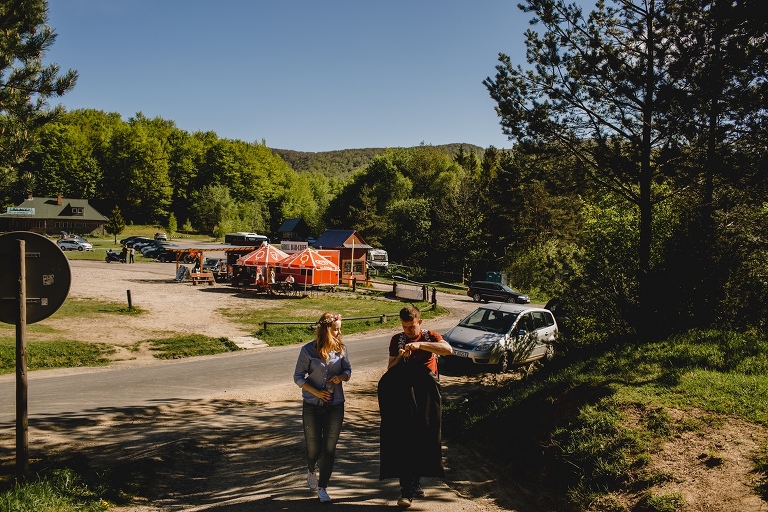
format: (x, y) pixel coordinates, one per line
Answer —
(322, 366)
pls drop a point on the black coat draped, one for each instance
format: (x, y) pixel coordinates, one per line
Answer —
(410, 405)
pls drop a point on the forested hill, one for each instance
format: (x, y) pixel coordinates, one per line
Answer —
(343, 162)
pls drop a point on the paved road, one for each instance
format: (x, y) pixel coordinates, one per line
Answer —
(53, 392)
(119, 413)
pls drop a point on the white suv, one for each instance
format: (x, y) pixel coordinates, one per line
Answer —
(503, 335)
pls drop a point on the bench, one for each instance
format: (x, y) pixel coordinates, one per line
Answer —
(201, 277)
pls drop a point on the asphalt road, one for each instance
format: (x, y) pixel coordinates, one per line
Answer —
(58, 396)
(54, 392)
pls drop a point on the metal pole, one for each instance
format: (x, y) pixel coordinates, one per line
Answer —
(22, 423)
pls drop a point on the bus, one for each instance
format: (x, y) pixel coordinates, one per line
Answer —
(243, 238)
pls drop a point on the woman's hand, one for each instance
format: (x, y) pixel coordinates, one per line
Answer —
(338, 379)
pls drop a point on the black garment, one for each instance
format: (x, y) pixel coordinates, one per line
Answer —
(410, 405)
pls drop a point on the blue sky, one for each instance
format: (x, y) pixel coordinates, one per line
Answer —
(298, 74)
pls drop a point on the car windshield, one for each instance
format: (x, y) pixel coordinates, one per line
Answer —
(508, 289)
(489, 320)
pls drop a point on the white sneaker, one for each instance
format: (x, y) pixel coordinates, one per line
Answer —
(312, 480)
(322, 494)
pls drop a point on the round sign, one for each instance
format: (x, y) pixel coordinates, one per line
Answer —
(48, 276)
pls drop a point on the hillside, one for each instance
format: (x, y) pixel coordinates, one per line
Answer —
(343, 162)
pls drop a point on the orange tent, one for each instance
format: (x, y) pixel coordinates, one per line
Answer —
(266, 255)
(308, 267)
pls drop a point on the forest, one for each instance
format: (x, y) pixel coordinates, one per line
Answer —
(635, 189)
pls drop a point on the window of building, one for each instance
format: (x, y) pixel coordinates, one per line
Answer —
(358, 268)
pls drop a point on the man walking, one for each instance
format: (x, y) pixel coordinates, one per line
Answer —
(410, 405)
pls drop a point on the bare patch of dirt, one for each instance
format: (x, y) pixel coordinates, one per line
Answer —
(712, 464)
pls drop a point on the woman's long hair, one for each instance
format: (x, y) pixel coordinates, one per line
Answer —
(325, 339)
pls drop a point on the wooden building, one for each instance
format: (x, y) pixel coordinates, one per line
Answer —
(51, 216)
(353, 252)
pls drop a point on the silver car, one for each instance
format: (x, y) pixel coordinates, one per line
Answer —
(502, 335)
(72, 244)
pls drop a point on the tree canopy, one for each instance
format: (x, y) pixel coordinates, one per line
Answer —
(26, 84)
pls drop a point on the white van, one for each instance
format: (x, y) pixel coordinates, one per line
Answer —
(378, 259)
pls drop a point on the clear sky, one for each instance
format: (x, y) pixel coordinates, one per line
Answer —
(298, 74)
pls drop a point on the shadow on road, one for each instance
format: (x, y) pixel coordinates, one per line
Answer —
(223, 455)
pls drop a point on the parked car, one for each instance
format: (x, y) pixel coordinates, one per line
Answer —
(139, 243)
(161, 236)
(214, 264)
(153, 246)
(488, 290)
(72, 244)
(163, 254)
(129, 239)
(502, 335)
(133, 241)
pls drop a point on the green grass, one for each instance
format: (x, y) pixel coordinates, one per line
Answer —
(46, 355)
(55, 490)
(595, 418)
(177, 347)
(310, 310)
(62, 353)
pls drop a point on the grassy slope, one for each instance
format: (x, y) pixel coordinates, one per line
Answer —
(585, 427)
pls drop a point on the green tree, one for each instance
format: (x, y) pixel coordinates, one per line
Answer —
(172, 225)
(719, 70)
(139, 172)
(63, 163)
(211, 207)
(115, 222)
(26, 84)
(600, 87)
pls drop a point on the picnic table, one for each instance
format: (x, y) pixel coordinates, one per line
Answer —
(201, 277)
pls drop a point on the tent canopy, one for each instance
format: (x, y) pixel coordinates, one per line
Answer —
(265, 255)
(308, 258)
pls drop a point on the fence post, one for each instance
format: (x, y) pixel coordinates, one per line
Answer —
(384, 318)
(424, 293)
(354, 283)
(394, 288)
(434, 296)
(265, 325)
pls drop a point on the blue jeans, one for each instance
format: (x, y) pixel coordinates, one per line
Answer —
(408, 484)
(322, 426)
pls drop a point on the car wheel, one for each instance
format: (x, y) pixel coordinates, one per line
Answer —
(550, 353)
(510, 299)
(504, 362)
(80, 248)
(476, 297)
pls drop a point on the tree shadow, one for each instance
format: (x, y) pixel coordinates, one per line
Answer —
(217, 455)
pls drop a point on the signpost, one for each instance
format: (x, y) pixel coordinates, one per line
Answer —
(33, 285)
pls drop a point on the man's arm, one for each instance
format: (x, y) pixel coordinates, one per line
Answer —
(396, 359)
(441, 347)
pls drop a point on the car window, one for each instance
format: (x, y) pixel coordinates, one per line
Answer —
(538, 319)
(489, 320)
(525, 323)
